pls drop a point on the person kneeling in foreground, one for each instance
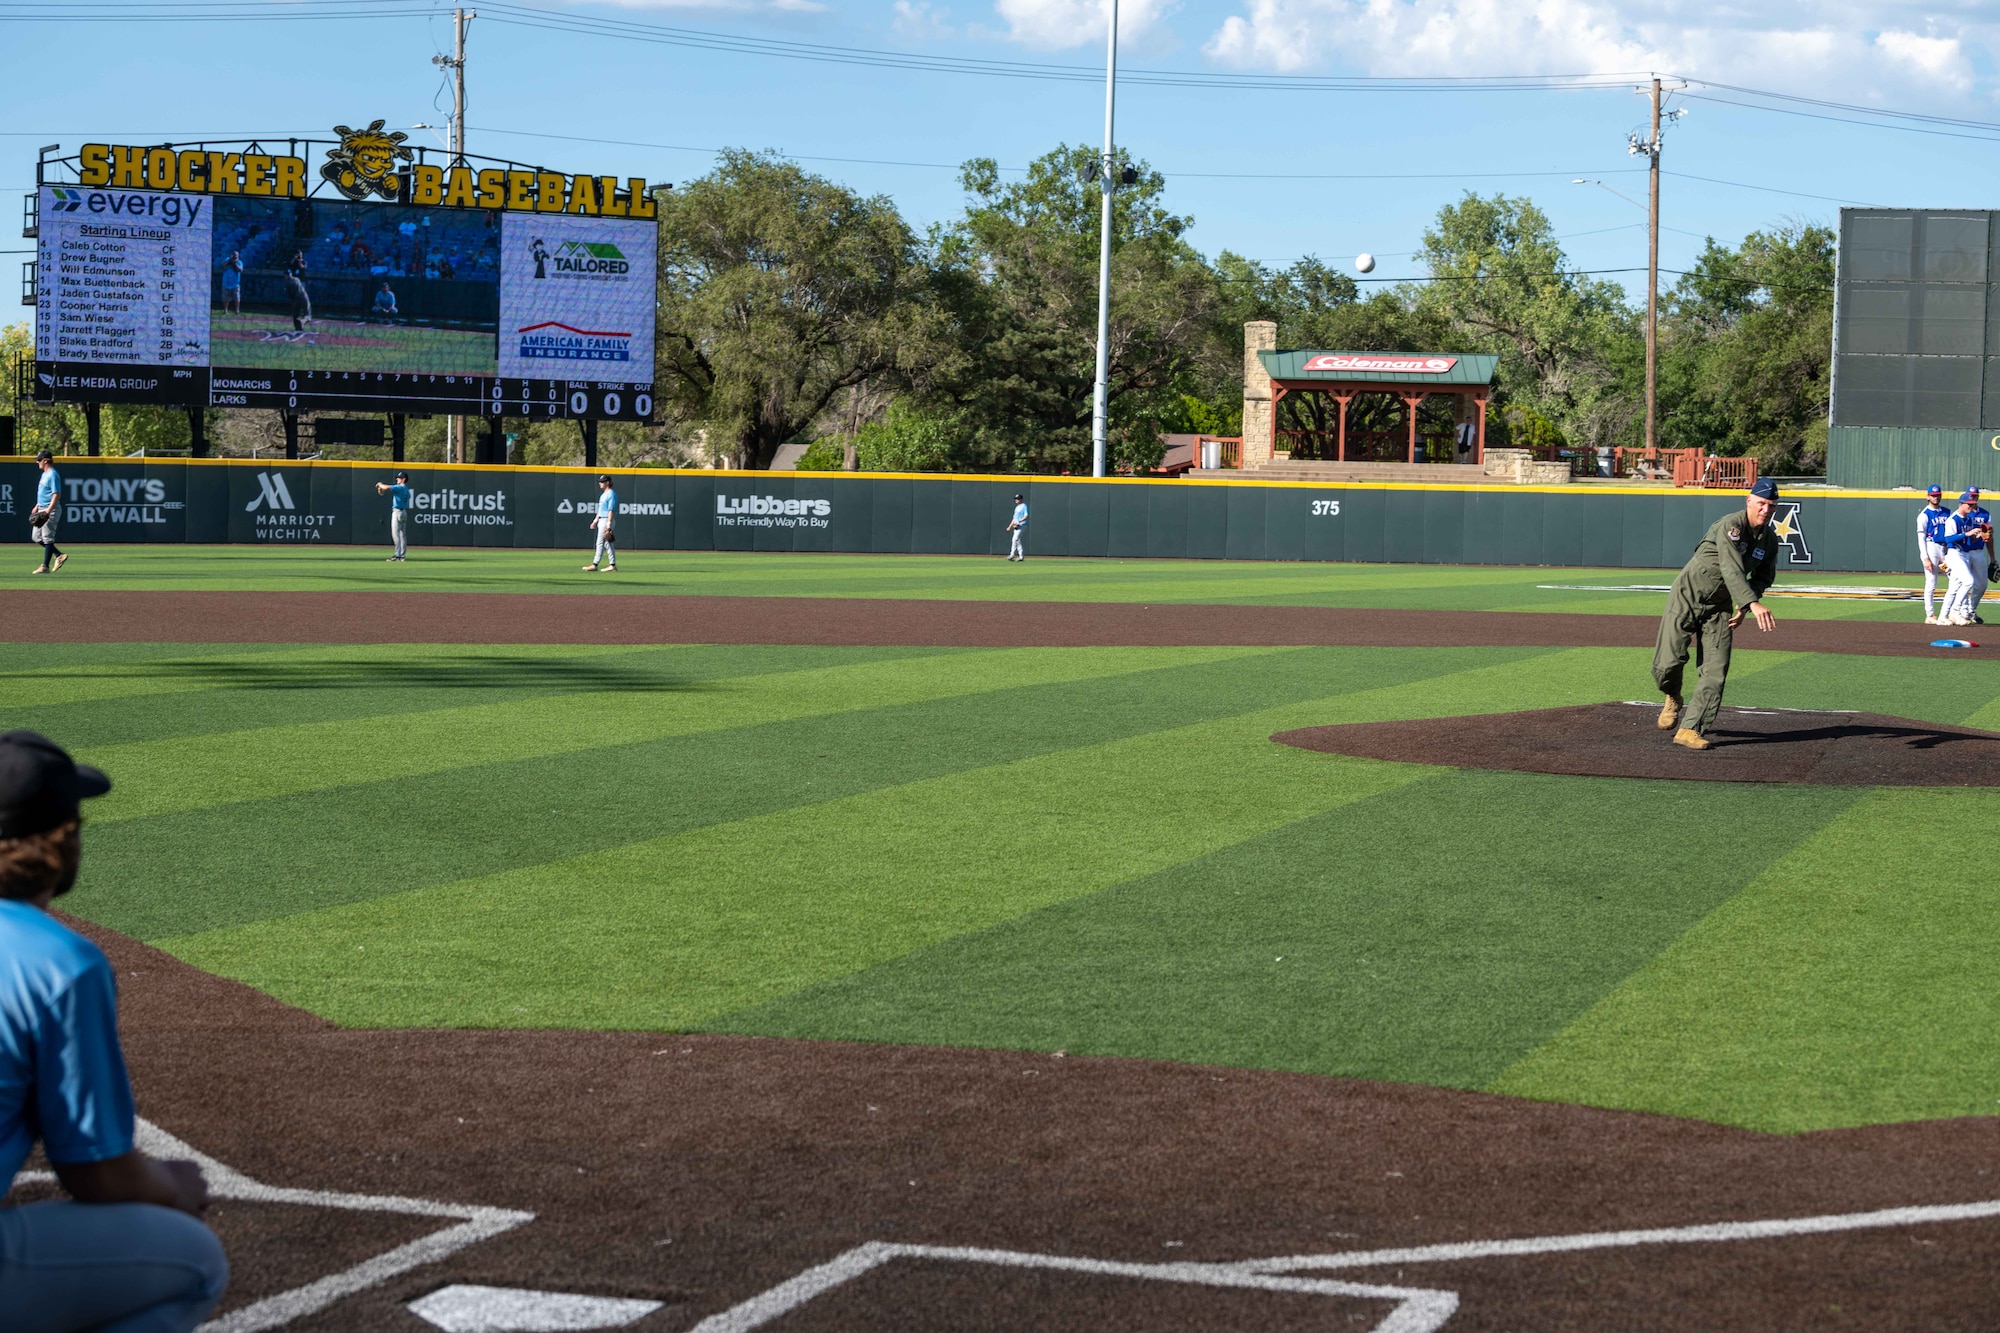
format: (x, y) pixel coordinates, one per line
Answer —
(1733, 564)
(126, 1253)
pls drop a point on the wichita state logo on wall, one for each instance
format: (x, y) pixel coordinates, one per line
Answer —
(365, 162)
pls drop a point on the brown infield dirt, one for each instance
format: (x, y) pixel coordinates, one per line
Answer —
(1622, 740)
(703, 1170)
(66, 616)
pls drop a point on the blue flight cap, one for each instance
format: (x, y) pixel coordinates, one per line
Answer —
(1765, 489)
(1971, 496)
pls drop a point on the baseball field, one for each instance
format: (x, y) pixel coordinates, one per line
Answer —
(266, 341)
(1131, 944)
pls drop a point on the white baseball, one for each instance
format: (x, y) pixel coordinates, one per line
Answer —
(1364, 263)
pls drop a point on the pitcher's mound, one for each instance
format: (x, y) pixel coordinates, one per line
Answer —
(1621, 741)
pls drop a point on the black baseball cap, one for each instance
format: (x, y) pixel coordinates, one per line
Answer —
(402, 476)
(41, 787)
(604, 478)
(44, 456)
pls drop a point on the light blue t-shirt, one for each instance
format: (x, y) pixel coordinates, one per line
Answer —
(1021, 513)
(607, 504)
(399, 496)
(62, 1075)
(46, 488)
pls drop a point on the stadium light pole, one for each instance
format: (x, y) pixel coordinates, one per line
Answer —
(1106, 184)
(455, 450)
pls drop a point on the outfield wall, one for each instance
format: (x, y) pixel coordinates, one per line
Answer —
(232, 500)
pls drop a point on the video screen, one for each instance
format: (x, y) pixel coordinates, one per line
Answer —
(332, 286)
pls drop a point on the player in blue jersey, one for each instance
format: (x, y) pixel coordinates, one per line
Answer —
(127, 1249)
(1018, 525)
(1930, 551)
(604, 520)
(399, 513)
(1967, 537)
(44, 518)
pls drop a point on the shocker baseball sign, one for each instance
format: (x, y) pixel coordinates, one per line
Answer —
(371, 161)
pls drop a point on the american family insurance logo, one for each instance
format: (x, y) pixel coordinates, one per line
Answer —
(768, 511)
(552, 340)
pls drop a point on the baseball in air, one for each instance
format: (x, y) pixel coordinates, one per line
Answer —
(1364, 263)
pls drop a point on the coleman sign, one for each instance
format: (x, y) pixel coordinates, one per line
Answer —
(1381, 365)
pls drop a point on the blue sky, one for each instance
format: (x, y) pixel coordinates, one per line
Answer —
(1256, 167)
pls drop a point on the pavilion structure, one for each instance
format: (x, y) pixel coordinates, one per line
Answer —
(1359, 407)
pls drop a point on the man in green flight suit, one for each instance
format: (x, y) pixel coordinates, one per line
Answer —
(1736, 560)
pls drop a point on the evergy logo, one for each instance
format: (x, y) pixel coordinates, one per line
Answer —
(272, 491)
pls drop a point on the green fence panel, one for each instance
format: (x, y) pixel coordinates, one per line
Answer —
(274, 501)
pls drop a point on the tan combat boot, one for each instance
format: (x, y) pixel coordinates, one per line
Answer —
(1670, 713)
(1692, 739)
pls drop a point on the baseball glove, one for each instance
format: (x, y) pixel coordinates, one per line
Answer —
(38, 517)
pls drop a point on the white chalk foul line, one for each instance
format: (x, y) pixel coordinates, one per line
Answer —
(1707, 1233)
(1418, 1310)
(475, 1224)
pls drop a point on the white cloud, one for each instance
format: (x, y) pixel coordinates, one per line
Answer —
(920, 21)
(1941, 58)
(1059, 24)
(1848, 50)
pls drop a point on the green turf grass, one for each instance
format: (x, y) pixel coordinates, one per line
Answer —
(1092, 849)
(760, 574)
(1856, 980)
(1357, 942)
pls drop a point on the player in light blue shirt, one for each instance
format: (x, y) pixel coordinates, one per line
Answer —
(47, 513)
(399, 513)
(126, 1252)
(604, 520)
(1018, 525)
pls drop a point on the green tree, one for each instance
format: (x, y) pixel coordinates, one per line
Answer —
(779, 289)
(1020, 271)
(1747, 349)
(123, 428)
(1500, 283)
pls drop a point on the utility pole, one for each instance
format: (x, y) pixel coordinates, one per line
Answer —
(454, 445)
(1107, 174)
(1653, 279)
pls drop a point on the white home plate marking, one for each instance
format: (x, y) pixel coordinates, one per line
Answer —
(474, 1225)
(468, 1309)
(1418, 1310)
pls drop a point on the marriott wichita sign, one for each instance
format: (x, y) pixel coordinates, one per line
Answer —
(1382, 365)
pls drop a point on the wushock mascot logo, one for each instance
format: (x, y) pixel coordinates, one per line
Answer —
(365, 162)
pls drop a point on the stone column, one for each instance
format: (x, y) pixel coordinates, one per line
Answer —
(1259, 420)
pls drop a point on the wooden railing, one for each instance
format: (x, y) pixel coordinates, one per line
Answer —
(1232, 449)
(1714, 474)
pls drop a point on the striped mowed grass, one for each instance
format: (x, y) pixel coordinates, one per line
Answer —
(1095, 850)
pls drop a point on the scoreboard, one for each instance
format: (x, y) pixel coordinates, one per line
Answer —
(165, 277)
